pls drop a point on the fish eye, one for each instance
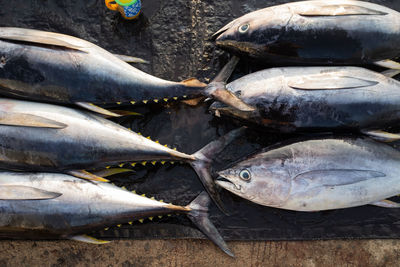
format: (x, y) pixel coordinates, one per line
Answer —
(245, 175)
(244, 28)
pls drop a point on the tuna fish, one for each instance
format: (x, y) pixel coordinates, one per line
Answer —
(57, 68)
(45, 137)
(317, 99)
(316, 32)
(49, 205)
(318, 175)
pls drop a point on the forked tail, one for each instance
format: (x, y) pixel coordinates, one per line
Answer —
(202, 164)
(199, 216)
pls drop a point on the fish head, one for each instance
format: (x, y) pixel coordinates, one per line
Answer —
(261, 182)
(251, 33)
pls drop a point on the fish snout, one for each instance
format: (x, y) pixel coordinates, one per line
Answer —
(221, 35)
(224, 181)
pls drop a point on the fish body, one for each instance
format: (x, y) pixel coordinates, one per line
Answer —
(49, 205)
(84, 141)
(57, 68)
(318, 175)
(316, 98)
(44, 137)
(315, 32)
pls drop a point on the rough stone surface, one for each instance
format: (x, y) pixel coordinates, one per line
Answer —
(201, 253)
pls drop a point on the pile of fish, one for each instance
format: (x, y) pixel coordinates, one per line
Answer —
(56, 158)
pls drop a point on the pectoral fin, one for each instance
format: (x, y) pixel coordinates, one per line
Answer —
(87, 175)
(28, 120)
(97, 109)
(327, 81)
(20, 192)
(130, 59)
(220, 93)
(337, 10)
(338, 177)
(389, 64)
(226, 72)
(88, 239)
(386, 204)
(43, 37)
(382, 135)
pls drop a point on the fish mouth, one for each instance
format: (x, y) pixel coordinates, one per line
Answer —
(217, 35)
(227, 184)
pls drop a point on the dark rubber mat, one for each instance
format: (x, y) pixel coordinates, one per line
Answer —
(174, 37)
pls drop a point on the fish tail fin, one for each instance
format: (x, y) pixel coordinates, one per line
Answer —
(199, 216)
(217, 90)
(202, 164)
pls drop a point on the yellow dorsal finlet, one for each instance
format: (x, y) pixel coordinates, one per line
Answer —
(133, 102)
(145, 101)
(155, 100)
(141, 220)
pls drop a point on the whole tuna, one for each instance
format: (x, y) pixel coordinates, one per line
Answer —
(316, 99)
(45, 137)
(318, 175)
(58, 68)
(49, 205)
(51, 67)
(315, 32)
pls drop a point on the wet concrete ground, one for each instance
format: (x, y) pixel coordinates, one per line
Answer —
(201, 253)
